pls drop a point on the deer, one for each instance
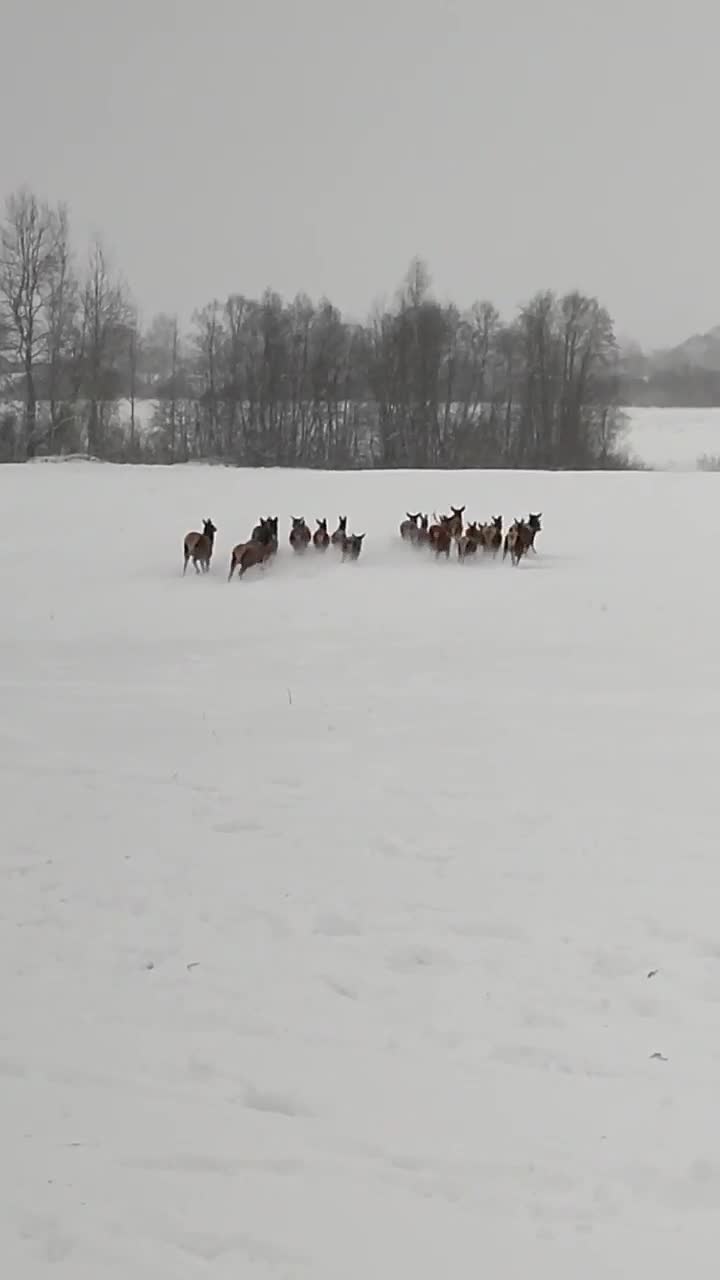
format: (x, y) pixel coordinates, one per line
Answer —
(299, 534)
(469, 542)
(266, 530)
(423, 533)
(261, 545)
(352, 546)
(516, 541)
(492, 535)
(534, 527)
(409, 528)
(338, 537)
(198, 547)
(321, 537)
(440, 536)
(455, 522)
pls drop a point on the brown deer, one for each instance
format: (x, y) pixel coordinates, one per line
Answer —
(492, 536)
(198, 547)
(321, 537)
(440, 537)
(516, 541)
(409, 528)
(266, 532)
(299, 534)
(352, 546)
(468, 543)
(257, 550)
(340, 534)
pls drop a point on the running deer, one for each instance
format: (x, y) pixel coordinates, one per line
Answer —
(517, 541)
(409, 528)
(352, 546)
(321, 537)
(455, 522)
(469, 542)
(299, 534)
(423, 533)
(534, 527)
(492, 535)
(198, 547)
(258, 550)
(440, 536)
(340, 534)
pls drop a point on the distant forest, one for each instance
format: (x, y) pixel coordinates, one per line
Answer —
(271, 382)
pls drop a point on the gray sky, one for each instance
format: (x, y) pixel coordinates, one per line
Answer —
(318, 144)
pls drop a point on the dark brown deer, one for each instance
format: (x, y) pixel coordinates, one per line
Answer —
(198, 547)
(258, 550)
(423, 533)
(455, 524)
(321, 537)
(534, 527)
(409, 528)
(352, 546)
(299, 534)
(340, 534)
(440, 536)
(271, 523)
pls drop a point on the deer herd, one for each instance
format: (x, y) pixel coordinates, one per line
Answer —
(262, 544)
(438, 538)
(473, 537)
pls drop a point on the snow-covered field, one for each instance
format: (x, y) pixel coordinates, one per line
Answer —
(673, 439)
(330, 899)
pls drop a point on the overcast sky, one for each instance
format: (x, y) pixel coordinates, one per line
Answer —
(318, 145)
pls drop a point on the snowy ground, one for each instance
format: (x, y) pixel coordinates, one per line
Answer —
(673, 439)
(329, 899)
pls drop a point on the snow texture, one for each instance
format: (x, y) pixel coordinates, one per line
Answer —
(673, 439)
(358, 920)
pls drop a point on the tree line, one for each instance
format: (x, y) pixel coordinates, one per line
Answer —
(267, 382)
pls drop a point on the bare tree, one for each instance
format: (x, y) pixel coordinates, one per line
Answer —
(133, 357)
(30, 240)
(106, 320)
(265, 381)
(165, 375)
(61, 314)
(208, 340)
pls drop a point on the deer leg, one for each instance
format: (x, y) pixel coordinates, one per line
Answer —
(187, 557)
